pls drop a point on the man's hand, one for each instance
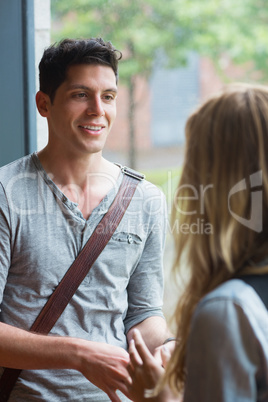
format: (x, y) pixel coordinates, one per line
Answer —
(106, 367)
(102, 364)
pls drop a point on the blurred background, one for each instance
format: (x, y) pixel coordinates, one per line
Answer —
(175, 54)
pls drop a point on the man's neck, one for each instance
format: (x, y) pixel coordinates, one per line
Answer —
(85, 180)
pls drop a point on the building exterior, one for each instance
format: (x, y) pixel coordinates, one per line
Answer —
(164, 102)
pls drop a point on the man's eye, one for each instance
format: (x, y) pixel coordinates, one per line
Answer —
(108, 97)
(80, 95)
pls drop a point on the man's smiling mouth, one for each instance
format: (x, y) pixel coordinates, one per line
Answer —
(92, 128)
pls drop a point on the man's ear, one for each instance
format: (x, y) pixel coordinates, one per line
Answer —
(42, 103)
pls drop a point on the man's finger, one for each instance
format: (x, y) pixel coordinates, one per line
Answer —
(113, 396)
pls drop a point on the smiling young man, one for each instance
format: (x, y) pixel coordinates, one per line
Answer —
(79, 119)
(50, 204)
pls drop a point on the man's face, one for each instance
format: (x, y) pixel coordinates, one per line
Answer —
(83, 110)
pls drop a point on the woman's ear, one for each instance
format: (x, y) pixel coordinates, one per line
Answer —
(42, 103)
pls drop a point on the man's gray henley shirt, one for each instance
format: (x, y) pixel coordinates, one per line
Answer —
(41, 233)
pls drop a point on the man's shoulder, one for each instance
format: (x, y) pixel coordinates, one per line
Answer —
(149, 193)
(13, 169)
(152, 190)
(146, 189)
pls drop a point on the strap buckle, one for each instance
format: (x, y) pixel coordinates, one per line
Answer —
(131, 172)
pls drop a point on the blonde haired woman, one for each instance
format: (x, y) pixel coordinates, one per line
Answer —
(221, 353)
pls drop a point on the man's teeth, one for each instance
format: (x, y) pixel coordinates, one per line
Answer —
(94, 128)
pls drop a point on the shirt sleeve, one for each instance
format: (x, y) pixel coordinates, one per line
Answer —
(145, 289)
(222, 355)
(5, 241)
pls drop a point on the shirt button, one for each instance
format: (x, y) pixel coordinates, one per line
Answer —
(129, 239)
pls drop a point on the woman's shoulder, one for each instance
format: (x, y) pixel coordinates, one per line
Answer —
(235, 290)
(234, 300)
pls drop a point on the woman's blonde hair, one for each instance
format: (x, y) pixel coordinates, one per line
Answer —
(221, 202)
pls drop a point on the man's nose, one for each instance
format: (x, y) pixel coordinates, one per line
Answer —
(95, 107)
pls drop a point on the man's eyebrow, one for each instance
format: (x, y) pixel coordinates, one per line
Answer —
(81, 86)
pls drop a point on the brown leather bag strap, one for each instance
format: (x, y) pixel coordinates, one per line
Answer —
(63, 293)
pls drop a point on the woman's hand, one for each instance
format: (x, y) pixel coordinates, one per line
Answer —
(162, 353)
(145, 371)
